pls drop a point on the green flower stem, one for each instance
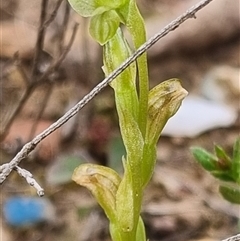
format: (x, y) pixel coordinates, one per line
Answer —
(135, 235)
(129, 194)
(116, 50)
(136, 27)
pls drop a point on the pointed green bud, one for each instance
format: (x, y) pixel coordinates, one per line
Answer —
(104, 26)
(206, 159)
(224, 161)
(236, 161)
(103, 183)
(164, 101)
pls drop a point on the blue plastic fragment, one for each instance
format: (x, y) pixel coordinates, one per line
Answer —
(24, 211)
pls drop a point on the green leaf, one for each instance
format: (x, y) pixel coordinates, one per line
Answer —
(89, 8)
(222, 175)
(104, 26)
(163, 102)
(230, 194)
(141, 235)
(103, 182)
(206, 159)
(236, 151)
(224, 161)
(236, 160)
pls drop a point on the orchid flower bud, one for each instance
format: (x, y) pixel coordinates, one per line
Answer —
(164, 101)
(105, 18)
(103, 183)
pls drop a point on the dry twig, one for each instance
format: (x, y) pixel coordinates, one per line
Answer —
(30, 180)
(233, 238)
(33, 81)
(44, 103)
(40, 41)
(53, 14)
(63, 29)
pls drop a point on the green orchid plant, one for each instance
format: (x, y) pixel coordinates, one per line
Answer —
(142, 115)
(224, 168)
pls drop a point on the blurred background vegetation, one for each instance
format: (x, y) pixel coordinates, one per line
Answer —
(45, 70)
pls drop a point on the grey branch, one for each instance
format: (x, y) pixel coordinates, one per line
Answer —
(233, 238)
(28, 147)
(30, 180)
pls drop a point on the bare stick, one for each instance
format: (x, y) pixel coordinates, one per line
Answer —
(44, 23)
(30, 180)
(52, 15)
(44, 103)
(33, 83)
(58, 62)
(233, 238)
(41, 80)
(63, 29)
(21, 70)
(40, 40)
(28, 147)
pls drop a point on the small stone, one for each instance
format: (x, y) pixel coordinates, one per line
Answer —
(222, 84)
(198, 115)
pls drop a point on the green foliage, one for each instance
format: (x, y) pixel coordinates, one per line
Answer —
(206, 159)
(103, 182)
(222, 167)
(142, 116)
(230, 194)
